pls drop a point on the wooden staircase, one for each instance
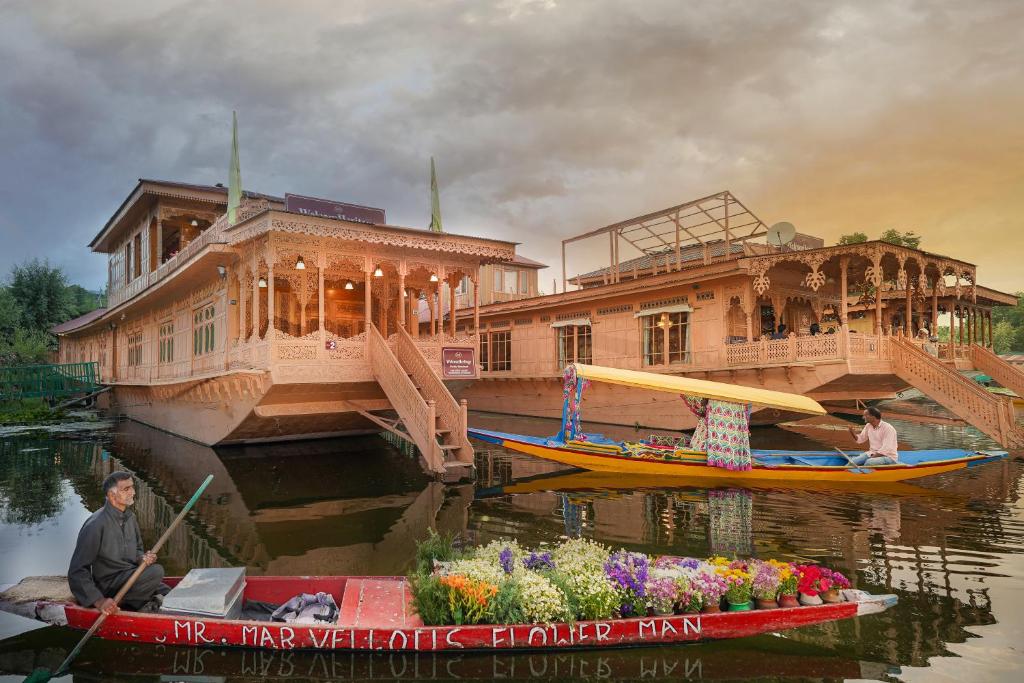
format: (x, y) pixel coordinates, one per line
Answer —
(1009, 376)
(990, 413)
(428, 415)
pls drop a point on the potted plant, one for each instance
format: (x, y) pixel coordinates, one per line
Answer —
(661, 596)
(627, 572)
(811, 584)
(740, 585)
(789, 578)
(710, 587)
(837, 582)
(765, 585)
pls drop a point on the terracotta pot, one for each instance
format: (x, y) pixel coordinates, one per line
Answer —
(711, 609)
(742, 607)
(766, 604)
(788, 600)
(831, 595)
(810, 599)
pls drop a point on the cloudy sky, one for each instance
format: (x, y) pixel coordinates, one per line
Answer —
(546, 117)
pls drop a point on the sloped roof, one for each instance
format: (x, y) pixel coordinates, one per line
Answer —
(80, 321)
(529, 263)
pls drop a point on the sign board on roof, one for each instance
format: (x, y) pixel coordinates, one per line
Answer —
(327, 208)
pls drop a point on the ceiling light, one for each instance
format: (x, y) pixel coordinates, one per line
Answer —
(378, 272)
(263, 282)
(349, 285)
(433, 277)
(195, 223)
(300, 264)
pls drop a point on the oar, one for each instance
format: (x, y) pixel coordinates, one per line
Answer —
(854, 467)
(42, 675)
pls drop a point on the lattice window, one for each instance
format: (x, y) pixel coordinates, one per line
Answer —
(135, 349)
(611, 310)
(575, 345)
(573, 314)
(203, 330)
(496, 351)
(500, 324)
(675, 301)
(166, 354)
(524, 321)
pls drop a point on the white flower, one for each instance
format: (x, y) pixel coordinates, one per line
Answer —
(542, 602)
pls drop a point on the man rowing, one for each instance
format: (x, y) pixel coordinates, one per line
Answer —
(109, 550)
(880, 437)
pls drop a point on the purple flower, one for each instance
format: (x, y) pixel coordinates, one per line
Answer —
(506, 560)
(628, 572)
(539, 561)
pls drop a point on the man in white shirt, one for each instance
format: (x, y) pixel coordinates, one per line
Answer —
(881, 439)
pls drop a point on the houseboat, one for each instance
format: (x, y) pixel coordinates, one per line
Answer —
(700, 290)
(274, 318)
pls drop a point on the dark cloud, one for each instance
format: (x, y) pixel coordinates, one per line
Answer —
(546, 117)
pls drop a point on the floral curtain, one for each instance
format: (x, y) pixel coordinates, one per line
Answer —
(723, 432)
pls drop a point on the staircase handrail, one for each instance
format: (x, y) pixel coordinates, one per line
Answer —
(1008, 375)
(448, 409)
(417, 415)
(992, 414)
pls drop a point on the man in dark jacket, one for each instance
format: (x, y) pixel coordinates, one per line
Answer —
(109, 550)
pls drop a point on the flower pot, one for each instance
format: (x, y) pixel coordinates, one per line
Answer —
(711, 609)
(766, 604)
(788, 600)
(741, 607)
(806, 599)
(830, 596)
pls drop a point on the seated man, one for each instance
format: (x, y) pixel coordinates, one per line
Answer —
(880, 437)
(109, 550)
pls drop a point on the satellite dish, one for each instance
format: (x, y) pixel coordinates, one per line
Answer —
(781, 234)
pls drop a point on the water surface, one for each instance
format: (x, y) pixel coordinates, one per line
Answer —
(951, 547)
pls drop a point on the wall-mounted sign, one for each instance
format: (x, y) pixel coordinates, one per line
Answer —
(326, 208)
(458, 363)
(330, 345)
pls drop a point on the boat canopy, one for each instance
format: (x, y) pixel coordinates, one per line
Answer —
(700, 388)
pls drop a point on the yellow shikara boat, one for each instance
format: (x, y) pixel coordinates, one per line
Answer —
(722, 431)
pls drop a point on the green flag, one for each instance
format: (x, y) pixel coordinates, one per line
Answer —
(234, 175)
(435, 200)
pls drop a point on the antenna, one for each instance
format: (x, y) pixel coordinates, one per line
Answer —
(781, 234)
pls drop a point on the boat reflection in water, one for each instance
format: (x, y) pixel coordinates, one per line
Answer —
(752, 658)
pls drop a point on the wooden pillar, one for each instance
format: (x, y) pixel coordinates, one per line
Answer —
(476, 304)
(679, 257)
(159, 243)
(615, 269)
(878, 309)
(321, 263)
(303, 300)
(367, 301)
(960, 338)
(844, 264)
(610, 277)
(270, 300)
(452, 308)
(935, 312)
(432, 305)
(750, 326)
(402, 296)
(242, 332)
(991, 338)
(256, 300)
(908, 324)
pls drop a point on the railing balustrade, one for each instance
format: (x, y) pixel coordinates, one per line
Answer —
(1009, 376)
(147, 280)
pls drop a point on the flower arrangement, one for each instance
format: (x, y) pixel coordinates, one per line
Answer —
(628, 574)
(740, 585)
(766, 580)
(504, 583)
(661, 595)
(710, 587)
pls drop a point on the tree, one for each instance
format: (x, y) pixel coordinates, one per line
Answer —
(853, 238)
(42, 293)
(10, 316)
(1008, 327)
(902, 239)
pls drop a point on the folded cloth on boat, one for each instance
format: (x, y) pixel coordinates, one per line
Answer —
(308, 608)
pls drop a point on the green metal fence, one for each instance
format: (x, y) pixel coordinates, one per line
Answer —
(47, 381)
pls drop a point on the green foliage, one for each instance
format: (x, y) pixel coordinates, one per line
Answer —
(903, 239)
(10, 316)
(42, 293)
(430, 599)
(27, 411)
(853, 238)
(439, 547)
(27, 347)
(506, 607)
(84, 301)
(1008, 327)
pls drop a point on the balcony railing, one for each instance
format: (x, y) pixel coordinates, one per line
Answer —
(147, 280)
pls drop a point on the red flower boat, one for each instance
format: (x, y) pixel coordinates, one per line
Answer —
(376, 615)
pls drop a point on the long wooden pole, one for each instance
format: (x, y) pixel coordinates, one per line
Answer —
(134, 577)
